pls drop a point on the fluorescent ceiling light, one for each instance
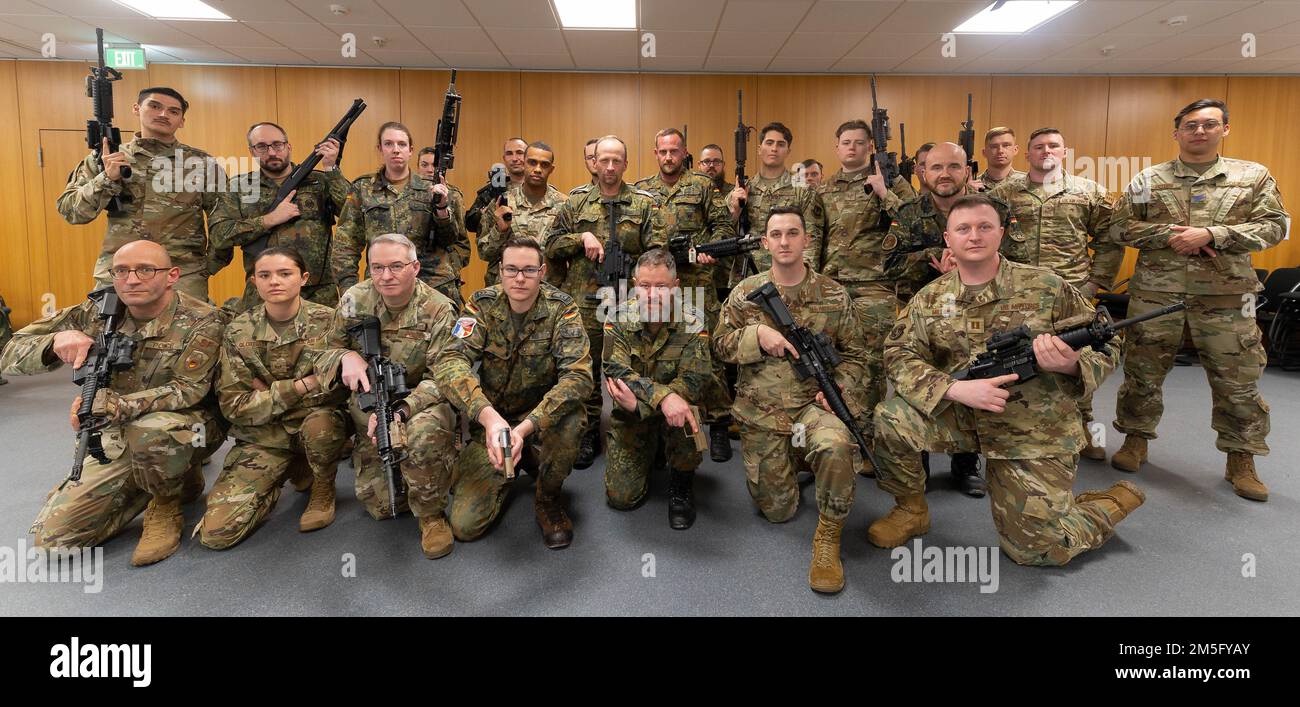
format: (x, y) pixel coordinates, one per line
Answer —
(176, 9)
(596, 14)
(1014, 17)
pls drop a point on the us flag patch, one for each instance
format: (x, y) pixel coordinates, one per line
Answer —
(464, 327)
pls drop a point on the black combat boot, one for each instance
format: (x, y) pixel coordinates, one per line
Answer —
(681, 499)
(588, 449)
(966, 467)
(719, 442)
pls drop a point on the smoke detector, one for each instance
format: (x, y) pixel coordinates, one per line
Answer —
(379, 41)
(1176, 21)
(339, 9)
(1108, 50)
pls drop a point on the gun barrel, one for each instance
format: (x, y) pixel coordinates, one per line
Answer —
(1170, 309)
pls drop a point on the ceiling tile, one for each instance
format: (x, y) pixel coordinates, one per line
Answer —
(206, 55)
(529, 41)
(1056, 65)
(430, 13)
(149, 31)
(303, 35)
(819, 44)
(762, 15)
(748, 43)
(512, 13)
(90, 8)
(14, 51)
(736, 63)
(939, 17)
(866, 65)
(602, 49)
(1197, 66)
(995, 65)
(397, 57)
(360, 12)
(65, 29)
(1124, 66)
(23, 7)
(463, 39)
(1175, 47)
(1097, 16)
(541, 62)
(682, 43)
(262, 11)
(840, 15)
(965, 47)
(932, 64)
(235, 34)
(801, 64)
(1034, 46)
(332, 57)
(674, 62)
(268, 55)
(1199, 13)
(680, 15)
(898, 46)
(474, 60)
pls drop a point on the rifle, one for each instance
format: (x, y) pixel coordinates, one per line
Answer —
(617, 264)
(817, 356)
(689, 162)
(907, 165)
(111, 352)
(304, 169)
(966, 138)
(493, 193)
(99, 89)
(684, 253)
(444, 154)
(387, 388)
(1013, 351)
(886, 161)
(742, 149)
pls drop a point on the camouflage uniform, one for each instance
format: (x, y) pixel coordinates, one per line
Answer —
(1057, 223)
(1239, 202)
(693, 207)
(320, 199)
(771, 401)
(172, 217)
(6, 330)
(166, 423)
(1032, 446)
(412, 336)
(541, 374)
(531, 220)
(990, 183)
(653, 364)
(766, 194)
(857, 222)
(722, 273)
(275, 427)
(640, 228)
(374, 207)
(916, 235)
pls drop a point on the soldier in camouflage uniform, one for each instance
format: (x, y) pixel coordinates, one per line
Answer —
(915, 254)
(396, 200)
(784, 422)
(282, 416)
(171, 189)
(513, 159)
(576, 242)
(303, 222)
(773, 186)
(534, 372)
(1030, 431)
(160, 414)
(1195, 221)
(1059, 217)
(531, 207)
(858, 206)
(415, 323)
(657, 364)
(693, 208)
(714, 166)
(6, 330)
(1000, 149)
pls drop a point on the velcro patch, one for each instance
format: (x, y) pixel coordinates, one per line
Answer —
(464, 327)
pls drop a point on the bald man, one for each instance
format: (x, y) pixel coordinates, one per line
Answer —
(159, 421)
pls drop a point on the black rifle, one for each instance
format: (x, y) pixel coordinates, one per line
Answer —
(444, 155)
(304, 169)
(684, 253)
(99, 89)
(817, 356)
(387, 388)
(966, 138)
(907, 165)
(110, 353)
(886, 161)
(617, 264)
(494, 192)
(1013, 351)
(742, 149)
(689, 162)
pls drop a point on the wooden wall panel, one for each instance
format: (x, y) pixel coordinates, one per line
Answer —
(1262, 114)
(706, 105)
(1026, 103)
(566, 110)
(15, 268)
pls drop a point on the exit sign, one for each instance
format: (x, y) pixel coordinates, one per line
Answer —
(124, 57)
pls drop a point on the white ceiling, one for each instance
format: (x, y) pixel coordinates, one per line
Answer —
(788, 36)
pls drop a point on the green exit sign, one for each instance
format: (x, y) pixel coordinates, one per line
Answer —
(124, 57)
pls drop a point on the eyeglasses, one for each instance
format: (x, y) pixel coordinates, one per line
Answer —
(144, 272)
(711, 163)
(529, 272)
(263, 148)
(395, 268)
(1209, 125)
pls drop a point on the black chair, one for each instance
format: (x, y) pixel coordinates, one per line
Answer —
(1277, 311)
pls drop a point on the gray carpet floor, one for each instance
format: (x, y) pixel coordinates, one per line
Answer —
(1180, 554)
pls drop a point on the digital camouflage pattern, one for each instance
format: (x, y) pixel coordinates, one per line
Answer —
(1058, 223)
(529, 219)
(654, 364)
(172, 188)
(320, 199)
(767, 194)
(990, 183)
(781, 423)
(542, 374)
(412, 336)
(1239, 202)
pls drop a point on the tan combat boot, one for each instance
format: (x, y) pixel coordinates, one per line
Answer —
(1117, 501)
(826, 574)
(435, 536)
(162, 531)
(909, 518)
(1132, 455)
(320, 508)
(192, 486)
(1090, 450)
(1241, 472)
(300, 475)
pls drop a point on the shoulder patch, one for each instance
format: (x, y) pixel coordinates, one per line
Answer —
(897, 331)
(891, 240)
(464, 327)
(570, 316)
(643, 192)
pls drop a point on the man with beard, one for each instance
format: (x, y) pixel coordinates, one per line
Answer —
(512, 156)
(529, 208)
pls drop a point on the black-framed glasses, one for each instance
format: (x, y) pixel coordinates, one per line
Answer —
(529, 272)
(711, 163)
(142, 273)
(377, 269)
(264, 147)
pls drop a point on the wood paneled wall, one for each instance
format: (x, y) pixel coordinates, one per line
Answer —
(1111, 117)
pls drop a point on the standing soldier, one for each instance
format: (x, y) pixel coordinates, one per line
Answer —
(785, 423)
(282, 417)
(513, 158)
(714, 166)
(6, 330)
(171, 189)
(588, 161)
(1058, 217)
(773, 186)
(692, 208)
(534, 372)
(657, 363)
(1195, 221)
(161, 419)
(415, 323)
(528, 212)
(577, 241)
(1000, 149)
(446, 262)
(396, 200)
(1029, 430)
(858, 206)
(303, 221)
